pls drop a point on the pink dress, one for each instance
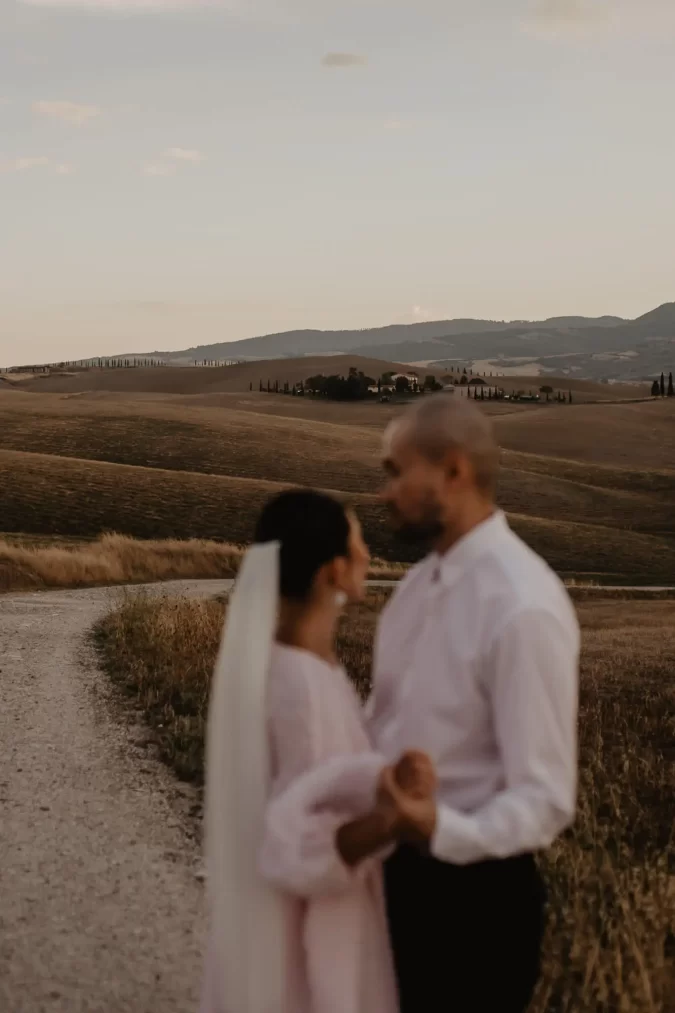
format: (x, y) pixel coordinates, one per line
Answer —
(323, 772)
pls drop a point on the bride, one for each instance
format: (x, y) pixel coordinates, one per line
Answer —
(295, 830)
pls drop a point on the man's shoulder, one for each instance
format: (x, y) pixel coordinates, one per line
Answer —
(516, 579)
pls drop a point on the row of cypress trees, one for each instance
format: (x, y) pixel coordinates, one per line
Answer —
(659, 387)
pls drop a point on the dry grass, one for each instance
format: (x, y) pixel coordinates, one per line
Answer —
(603, 476)
(240, 444)
(171, 466)
(237, 444)
(622, 435)
(113, 559)
(42, 494)
(610, 946)
(117, 559)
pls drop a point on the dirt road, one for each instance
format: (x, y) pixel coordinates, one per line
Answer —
(101, 909)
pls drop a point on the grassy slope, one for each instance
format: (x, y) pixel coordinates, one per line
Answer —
(238, 379)
(213, 462)
(624, 435)
(612, 903)
(245, 444)
(68, 496)
(195, 380)
(30, 564)
(112, 559)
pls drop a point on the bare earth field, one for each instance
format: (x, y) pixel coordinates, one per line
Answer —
(610, 879)
(195, 380)
(240, 377)
(591, 486)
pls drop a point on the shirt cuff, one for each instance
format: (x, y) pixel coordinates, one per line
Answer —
(455, 838)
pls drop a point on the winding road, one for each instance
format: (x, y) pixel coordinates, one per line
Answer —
(101, 893)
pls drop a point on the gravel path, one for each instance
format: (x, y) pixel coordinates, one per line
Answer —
(101, 907)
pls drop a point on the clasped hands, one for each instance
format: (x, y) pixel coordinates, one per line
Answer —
(405, 798)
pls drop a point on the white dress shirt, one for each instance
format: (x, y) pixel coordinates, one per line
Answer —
(476, 663)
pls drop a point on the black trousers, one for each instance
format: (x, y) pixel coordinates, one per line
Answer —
(466, 939)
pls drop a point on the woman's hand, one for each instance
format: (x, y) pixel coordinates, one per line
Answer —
(415, 774)
(411, 815)
(405, 810)
(405, 798)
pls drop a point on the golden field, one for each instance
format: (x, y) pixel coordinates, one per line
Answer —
(589, 485)
(611, 879)
(239, 377)
(30, 564)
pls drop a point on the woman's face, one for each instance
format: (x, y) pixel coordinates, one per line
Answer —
(353, 570)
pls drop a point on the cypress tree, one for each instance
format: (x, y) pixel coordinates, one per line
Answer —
(656, 390)
(663, 385)
(671, 389)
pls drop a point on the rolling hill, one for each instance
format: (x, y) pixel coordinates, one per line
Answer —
(67, 496)
(246, 376)
(591, 486)
(586, 347)
(205, 380)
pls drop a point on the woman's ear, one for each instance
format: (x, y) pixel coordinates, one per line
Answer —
(328, 578)
(339, 572)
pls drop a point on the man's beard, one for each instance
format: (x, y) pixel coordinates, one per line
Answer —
(425, 531)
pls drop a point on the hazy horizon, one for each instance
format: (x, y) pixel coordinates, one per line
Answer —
(177, 173)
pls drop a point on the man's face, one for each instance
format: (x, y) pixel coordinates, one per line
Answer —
(415, 489)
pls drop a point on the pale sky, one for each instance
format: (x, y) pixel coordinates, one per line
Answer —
(177, 173)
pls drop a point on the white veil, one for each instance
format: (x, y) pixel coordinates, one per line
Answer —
(248, 938)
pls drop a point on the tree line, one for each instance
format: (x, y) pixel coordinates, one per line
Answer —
(659, 387)
(357, 386)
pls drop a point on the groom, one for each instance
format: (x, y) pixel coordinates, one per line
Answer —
(476, 664)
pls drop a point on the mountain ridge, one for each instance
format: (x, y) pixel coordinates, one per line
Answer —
(594, 347)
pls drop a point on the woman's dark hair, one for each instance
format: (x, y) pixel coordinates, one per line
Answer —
(313, 529)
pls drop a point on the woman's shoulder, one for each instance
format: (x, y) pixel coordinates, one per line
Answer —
(294, 673)
(295, 663)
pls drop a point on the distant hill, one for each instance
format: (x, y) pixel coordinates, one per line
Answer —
(595, 348)
(313, 342)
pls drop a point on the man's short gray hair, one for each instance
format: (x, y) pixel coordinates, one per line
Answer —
(445, 422)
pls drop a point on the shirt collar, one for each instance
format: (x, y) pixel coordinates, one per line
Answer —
(450, 566)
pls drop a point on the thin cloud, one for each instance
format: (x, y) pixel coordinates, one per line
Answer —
(341, 60)
(125, 6)
(584, 18)
(185, 155)
(64, 169)
(26, 162)
(74, 113)
(158, 169)
(395, 124)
